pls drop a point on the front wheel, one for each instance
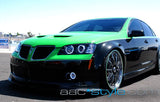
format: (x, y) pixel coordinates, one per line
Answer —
(113, 70)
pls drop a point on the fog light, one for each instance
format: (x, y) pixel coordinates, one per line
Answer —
(73, 75)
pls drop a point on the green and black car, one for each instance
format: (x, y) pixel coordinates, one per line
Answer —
(96, 53)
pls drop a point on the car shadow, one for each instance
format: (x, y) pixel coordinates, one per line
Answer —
(138, 78)
(7, 89)
(10, 90)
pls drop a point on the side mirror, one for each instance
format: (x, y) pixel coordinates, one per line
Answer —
(136, 33)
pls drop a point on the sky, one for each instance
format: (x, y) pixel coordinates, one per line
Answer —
(52, 16)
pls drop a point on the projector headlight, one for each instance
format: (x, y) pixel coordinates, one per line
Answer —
(81, 48)
(18, 48)
(69, 49)
(78, 49)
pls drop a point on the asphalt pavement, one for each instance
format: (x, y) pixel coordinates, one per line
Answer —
(144, 88)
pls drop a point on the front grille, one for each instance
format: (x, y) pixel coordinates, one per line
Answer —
(42, 52)
(24, 51)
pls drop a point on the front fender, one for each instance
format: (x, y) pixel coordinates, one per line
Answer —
(102, 51)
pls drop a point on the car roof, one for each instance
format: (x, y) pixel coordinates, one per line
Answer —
(112, 18)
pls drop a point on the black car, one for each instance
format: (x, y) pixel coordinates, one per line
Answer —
(96, 53)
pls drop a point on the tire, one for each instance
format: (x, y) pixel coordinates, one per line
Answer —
(157, 68)
(112, 71)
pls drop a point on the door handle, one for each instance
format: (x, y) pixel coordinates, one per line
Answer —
(146, 41)
(156, 40)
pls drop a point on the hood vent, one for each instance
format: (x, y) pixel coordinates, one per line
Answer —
(41, 36)
(62, 36)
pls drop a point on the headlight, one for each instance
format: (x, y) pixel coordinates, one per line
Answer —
(81, 48)
(91, 48)
(69, 49)
(78, 49)
(18, 47)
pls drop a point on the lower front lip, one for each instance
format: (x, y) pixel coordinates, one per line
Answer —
(53, 71)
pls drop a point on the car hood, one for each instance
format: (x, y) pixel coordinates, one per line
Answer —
(63, 39)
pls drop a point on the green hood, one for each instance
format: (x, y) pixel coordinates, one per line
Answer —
(62, 39)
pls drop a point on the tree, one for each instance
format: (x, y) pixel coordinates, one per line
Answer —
(10, 34)
(18, 34)
(30, 34)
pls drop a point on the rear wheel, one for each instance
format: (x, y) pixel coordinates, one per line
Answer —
(157, 68)
(113, 66)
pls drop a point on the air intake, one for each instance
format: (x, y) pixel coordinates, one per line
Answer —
(25, 51)
(42, 52)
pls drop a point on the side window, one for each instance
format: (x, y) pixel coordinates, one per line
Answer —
(98, 28)
(147, 29)
(135, 25)
(82, 28)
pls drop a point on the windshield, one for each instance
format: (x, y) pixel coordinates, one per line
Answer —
(103, 25)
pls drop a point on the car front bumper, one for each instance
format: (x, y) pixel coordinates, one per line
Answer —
(54, 74)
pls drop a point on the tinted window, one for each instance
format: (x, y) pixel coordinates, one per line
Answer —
(104, 25)
(135, 26)
(147, 30)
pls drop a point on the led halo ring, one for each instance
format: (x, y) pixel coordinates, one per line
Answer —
(73, 75)
(69, 49)
(81, 50)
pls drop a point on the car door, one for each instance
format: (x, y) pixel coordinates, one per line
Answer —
(152, 45)
(136, 49)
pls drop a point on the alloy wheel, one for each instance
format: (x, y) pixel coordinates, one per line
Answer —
(114, 69)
